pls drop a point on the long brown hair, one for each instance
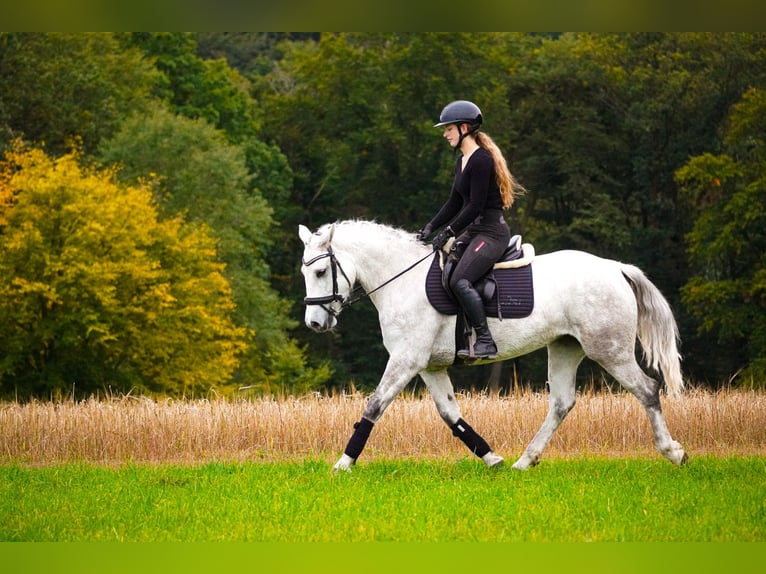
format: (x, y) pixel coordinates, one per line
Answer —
(510, 189)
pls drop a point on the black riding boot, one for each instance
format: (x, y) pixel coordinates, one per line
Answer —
(473, 307)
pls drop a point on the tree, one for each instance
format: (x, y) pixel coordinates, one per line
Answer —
(196, 87)
(727, 244)
(570, 152)
(56, 88)
(249, 52)
(98, 292)
(199, 174)
(209, 89)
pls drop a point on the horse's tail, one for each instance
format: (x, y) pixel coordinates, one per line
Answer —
(657, 329)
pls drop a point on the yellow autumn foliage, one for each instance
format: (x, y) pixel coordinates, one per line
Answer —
(97, 292)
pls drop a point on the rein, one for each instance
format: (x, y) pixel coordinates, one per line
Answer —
(353, 297)
(395, 277)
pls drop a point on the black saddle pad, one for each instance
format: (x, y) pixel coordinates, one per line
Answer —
(514, 289)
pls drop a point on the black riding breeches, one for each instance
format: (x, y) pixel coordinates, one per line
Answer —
(485, 246)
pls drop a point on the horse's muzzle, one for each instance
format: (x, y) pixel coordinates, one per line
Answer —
(320, 322)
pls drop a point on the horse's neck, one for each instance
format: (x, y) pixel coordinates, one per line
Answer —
(378, 253)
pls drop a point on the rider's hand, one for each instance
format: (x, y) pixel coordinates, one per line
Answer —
(423, 234)
(441, 240)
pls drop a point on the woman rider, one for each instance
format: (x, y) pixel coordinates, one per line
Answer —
(483, 186)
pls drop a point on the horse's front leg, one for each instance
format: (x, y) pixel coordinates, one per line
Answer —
(396, 376)
(443, 394)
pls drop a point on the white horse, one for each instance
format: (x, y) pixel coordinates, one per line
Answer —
(584, 306)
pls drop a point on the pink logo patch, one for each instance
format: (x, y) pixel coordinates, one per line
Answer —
(479, 246)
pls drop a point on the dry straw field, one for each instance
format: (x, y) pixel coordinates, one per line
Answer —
(142, 430)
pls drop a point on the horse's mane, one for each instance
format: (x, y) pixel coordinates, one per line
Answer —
(366, 227)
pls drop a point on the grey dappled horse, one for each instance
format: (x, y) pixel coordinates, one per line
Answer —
(584, 306)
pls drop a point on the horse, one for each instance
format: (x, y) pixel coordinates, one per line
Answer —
(584, 305)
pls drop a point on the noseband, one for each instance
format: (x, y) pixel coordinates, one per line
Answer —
(336, 296)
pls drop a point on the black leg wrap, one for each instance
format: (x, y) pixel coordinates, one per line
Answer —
(473, 441)
(357, 441)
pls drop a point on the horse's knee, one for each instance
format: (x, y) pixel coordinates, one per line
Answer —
(561, 406)
(443, 395)
(379, 402)
(374, 408)
(448, 409)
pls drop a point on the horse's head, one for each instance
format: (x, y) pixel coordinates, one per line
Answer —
(329, 278)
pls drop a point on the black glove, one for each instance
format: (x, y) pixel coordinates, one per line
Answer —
(423, 234)
(441, 240)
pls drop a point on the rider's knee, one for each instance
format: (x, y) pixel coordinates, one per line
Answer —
(459, 285)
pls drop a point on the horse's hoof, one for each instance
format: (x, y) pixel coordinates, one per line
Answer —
(493, 460)
(675, 453)
(526, 462)
(344, 464)
(683, 460)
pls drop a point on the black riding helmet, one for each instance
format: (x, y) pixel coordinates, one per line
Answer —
(461, 112)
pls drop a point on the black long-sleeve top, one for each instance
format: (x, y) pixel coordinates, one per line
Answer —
(474, 190)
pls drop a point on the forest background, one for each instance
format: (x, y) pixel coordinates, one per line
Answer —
(152, 185)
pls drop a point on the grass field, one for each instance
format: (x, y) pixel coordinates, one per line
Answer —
(637, 500)
(134, 469)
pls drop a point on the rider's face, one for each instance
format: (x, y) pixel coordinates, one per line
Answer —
(452, 134)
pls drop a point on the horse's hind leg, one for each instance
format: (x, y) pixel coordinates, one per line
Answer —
(647, 391)
(564, 356)
(440, 387)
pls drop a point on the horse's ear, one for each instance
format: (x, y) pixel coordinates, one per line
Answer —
(304, 234)
(323, 236)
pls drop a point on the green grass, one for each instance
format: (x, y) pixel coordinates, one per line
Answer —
(640, 500)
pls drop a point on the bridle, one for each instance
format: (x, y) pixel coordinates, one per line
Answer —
(336, 296)
(353, 297)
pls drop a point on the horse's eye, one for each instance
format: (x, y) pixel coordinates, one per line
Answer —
(321, 273)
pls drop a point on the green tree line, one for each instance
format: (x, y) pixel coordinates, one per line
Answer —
(644, 147)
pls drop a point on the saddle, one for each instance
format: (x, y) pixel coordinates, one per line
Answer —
(507, 289)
